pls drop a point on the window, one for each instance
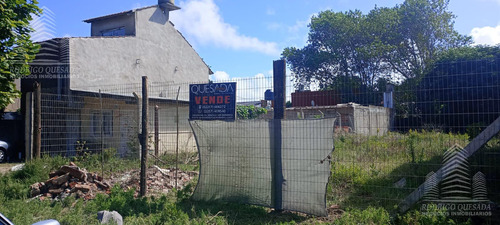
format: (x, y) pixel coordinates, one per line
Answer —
(114, 32)
(95, 123)
(107, 123)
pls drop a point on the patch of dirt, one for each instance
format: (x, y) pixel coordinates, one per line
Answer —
(5, 167)
(334, 212)
(158, 181)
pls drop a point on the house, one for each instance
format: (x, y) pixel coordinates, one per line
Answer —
(121, 48)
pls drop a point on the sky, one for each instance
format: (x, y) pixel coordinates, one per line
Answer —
(242, 38)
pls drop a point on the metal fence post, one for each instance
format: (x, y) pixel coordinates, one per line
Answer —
(37, 123)
(144, 135)
(101, 134)
(28, 127)
(279, 81)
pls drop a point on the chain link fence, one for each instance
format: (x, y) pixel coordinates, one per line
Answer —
(389, 140)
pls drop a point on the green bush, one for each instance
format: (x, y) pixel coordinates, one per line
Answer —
(16, 185)
(249, 112)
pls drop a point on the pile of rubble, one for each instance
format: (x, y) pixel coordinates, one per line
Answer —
(158, 180)
(70, 180)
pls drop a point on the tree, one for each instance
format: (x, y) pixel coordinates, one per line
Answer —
(16, 48)
(461, 89)
(386, 43)
(425, 28)
(338, 46)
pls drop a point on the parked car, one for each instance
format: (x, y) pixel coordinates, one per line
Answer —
(5, 221)
(4, 147)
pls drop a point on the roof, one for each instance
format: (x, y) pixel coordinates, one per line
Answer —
(169, 7)
(117, 14)
(130, 98)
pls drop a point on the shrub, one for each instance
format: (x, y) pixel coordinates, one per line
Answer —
(249, 112)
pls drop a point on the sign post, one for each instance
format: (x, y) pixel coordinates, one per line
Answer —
(212, 101)
(279, 83)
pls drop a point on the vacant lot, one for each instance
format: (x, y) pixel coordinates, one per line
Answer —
(362, 187)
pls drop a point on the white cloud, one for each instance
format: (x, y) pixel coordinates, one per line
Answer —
(253, 88)
(486, 35)
(299, 25)
(201, 22)
(247, 89)
(220, 76)
(298, 33)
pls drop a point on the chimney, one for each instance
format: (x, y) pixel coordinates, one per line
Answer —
(168, 5)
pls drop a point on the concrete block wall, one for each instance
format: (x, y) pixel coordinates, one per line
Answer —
(353, 118)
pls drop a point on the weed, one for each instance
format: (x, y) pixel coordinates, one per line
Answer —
(433, 215)
(367, 216)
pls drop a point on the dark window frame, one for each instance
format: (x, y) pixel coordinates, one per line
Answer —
(119, 31)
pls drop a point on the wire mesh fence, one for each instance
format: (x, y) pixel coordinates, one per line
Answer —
(390, 140)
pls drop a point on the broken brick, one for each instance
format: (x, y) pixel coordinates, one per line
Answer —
(74, 172)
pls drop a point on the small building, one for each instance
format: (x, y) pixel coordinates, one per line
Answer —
(351, 117)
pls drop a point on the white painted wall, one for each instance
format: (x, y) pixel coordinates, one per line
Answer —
(157, 50)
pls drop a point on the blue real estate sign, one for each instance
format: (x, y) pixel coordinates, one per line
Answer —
(212, 101)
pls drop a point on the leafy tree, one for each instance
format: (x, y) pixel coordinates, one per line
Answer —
(425, 28)
(16, 48)
(387, 43)
(461, 89)
(338, 46)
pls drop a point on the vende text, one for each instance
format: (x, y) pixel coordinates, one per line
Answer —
(209, 100)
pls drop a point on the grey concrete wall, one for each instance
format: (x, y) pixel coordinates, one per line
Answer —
(126, 20)
(366, 120)
(168, 129)
(371, 120)
(158, 51)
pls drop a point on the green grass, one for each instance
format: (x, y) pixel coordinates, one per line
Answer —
(364, 170)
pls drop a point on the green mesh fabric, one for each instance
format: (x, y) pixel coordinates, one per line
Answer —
(237, 162)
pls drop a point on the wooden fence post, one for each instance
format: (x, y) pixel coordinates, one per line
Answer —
(28, 127)
(144, 136)
(37, 121)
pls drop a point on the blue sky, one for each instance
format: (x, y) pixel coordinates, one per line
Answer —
(241, 38)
